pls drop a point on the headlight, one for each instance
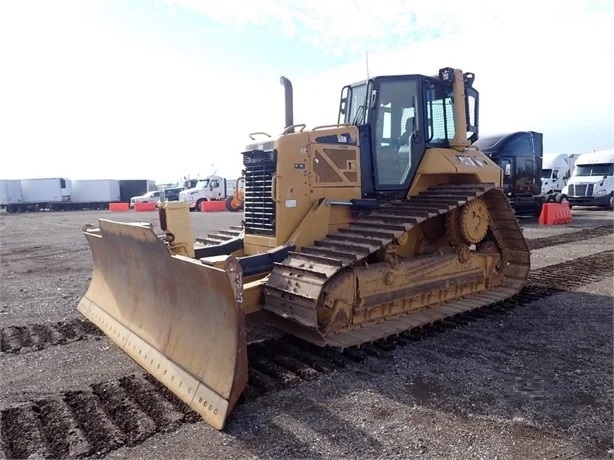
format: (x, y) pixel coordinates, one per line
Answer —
(601, 192)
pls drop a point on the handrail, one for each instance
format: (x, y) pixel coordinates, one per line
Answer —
(251, 135)
(274, 188)
(288, 128)
(334, 125)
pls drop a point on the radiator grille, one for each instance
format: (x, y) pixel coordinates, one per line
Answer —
(259, 207)
(581, 189)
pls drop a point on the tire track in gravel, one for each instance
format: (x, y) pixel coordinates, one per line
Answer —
(34, 337)
(570, 237)
(18, 254)
(124, 412)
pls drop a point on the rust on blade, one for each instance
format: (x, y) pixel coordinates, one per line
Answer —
(182, 321)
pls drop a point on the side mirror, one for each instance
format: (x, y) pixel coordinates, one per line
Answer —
(508, 169)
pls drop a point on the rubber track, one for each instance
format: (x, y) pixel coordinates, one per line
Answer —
(295, 285)
(125, 412)
(35, 337)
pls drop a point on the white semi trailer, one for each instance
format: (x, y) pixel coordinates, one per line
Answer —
(10, 194)
(61, 194)
(45, 193)
(94, 194)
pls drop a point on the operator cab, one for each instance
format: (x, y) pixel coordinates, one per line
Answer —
(398, 118)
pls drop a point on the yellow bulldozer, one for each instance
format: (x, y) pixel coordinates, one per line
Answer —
(387, 220)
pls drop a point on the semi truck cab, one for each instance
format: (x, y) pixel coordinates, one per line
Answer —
(556, 171)
(519, 155)
(592, 181)
(211, 188)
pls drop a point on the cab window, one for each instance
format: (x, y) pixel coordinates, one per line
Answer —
(395, 111)
(506, 166)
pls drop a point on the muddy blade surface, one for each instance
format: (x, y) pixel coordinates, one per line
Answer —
(180, 320)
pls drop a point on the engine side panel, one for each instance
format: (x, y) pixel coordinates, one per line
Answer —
(308, 166)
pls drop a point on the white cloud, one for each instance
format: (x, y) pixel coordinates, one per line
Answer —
(537, 67)
(77, 91)
(338, 26)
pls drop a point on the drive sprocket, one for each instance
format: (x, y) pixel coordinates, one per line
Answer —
(474, 219)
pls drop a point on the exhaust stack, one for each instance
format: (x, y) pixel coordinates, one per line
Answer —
(289, 104)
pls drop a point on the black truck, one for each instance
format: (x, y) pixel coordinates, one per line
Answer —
(519, 154)
(136, 187)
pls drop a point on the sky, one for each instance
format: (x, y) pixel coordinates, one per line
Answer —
(161, 89)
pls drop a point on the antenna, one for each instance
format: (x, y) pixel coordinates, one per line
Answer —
(367, 62)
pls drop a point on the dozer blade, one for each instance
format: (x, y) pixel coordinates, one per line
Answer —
(180, 320)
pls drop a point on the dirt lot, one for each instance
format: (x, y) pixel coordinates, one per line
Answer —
(534, 381)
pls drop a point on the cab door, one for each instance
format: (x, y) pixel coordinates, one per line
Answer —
(507, 165)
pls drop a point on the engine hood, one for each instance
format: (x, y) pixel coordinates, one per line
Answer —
(585, 180)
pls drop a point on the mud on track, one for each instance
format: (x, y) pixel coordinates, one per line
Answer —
(126, 411)
(33, 337)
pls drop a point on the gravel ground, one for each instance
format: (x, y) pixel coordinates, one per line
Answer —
(535, 382)
(46, 262)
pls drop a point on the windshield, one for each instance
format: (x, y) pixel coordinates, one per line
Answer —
(440, 113)
(546, 173)
(487, 143)
(357, 104)
(597, 169)
(202, 183)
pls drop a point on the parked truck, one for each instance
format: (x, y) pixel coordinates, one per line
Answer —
(556, 171)
(61, 194)
(519, 155)
(45, 193)
(592, 180)
(211, 188)
(134, 187)
(94, 193)
(10, 195)
(165, 193)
